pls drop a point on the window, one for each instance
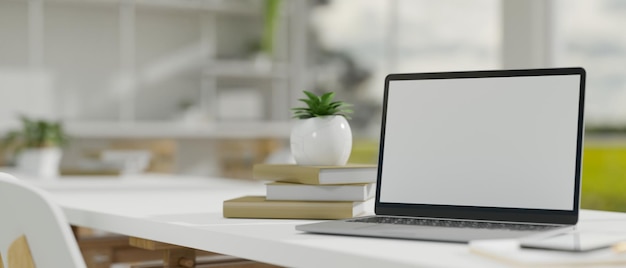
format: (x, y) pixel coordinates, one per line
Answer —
(360, 42)
(590, 34)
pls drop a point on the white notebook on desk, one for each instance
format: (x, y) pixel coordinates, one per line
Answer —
(509, 251)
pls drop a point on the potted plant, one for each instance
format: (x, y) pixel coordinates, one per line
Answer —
(262, 49)
(37, 146)
(322, 135)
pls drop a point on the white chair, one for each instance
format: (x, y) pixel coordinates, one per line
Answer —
(33, 230)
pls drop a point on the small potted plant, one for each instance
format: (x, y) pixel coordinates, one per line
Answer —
(322, 135)
(37, 146)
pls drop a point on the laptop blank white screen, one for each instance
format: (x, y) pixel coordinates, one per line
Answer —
(505, 142)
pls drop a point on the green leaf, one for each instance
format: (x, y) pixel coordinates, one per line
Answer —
(270, 22)
(335, 105)
(333, 111)
(320, 106)
(327, 98)
(310, 103)
(311, 96)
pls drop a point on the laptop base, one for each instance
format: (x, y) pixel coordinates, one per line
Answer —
(429, 233)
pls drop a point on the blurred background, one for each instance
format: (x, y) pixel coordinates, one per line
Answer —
(204, 87)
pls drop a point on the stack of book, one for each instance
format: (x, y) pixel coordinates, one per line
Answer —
(307, 192)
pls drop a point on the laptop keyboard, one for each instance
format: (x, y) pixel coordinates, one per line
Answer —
(454, 223)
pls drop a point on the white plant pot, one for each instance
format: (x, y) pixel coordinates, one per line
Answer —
(41, 162)
(321, 141)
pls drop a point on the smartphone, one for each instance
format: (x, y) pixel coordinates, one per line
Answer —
(574, 241)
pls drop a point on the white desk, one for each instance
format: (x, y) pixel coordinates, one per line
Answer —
(187, 212)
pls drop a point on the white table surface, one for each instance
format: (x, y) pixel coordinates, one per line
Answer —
(188, 212)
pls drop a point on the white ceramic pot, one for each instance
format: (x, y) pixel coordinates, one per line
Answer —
(321, 141)
(41, 162)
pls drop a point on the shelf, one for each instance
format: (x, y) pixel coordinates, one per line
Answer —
(207, 5)
(163, 129)
(246, 69)
(219, 6)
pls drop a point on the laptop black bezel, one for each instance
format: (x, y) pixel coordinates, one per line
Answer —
(486, 213)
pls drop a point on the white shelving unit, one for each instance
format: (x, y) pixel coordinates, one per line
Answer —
(170, 130)
(274, 78)
(242, 69)
(120, 71)
(221, 6)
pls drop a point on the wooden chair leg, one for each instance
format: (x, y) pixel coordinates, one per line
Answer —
(173, 255)
(101, 250)
(19, 254)
(181, 257)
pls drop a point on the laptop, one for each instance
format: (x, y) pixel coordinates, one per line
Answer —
(476, 155)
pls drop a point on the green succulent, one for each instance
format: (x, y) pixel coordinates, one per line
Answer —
(35, 134)
(323, 105)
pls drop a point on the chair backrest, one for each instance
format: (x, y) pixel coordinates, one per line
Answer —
(33, 230)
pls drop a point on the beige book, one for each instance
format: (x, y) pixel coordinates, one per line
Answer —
(259, 207)
(332, 192)
(351, 173)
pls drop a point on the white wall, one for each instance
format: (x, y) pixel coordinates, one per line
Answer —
(14, 35)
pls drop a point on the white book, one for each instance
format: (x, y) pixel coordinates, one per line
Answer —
(350, 173)
(509, 251)
(308, 192)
